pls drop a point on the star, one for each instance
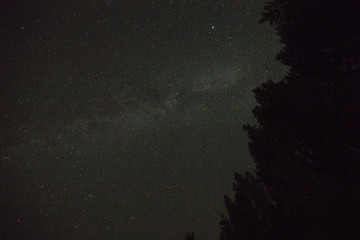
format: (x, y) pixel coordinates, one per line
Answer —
(124, 98)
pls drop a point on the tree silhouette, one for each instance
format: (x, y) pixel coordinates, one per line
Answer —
(189, 236)
(306, 145)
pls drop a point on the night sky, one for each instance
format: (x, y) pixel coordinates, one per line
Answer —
(123, 119)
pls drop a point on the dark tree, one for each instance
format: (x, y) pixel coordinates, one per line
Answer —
(306, 145)
(189, 236)
(318, 36)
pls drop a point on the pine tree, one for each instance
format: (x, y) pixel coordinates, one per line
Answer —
(306, 145)
(189, 236)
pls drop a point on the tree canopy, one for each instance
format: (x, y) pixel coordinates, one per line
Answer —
(306, 145)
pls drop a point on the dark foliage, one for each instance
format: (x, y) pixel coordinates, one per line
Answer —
(318, 36)
(189, 236)
(307, 142)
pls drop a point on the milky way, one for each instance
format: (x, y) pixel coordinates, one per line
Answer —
(123, 119)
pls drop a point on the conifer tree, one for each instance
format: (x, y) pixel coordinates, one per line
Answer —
(189, 236)
(306, 145)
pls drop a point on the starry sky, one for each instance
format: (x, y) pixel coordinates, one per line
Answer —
(123, 119)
